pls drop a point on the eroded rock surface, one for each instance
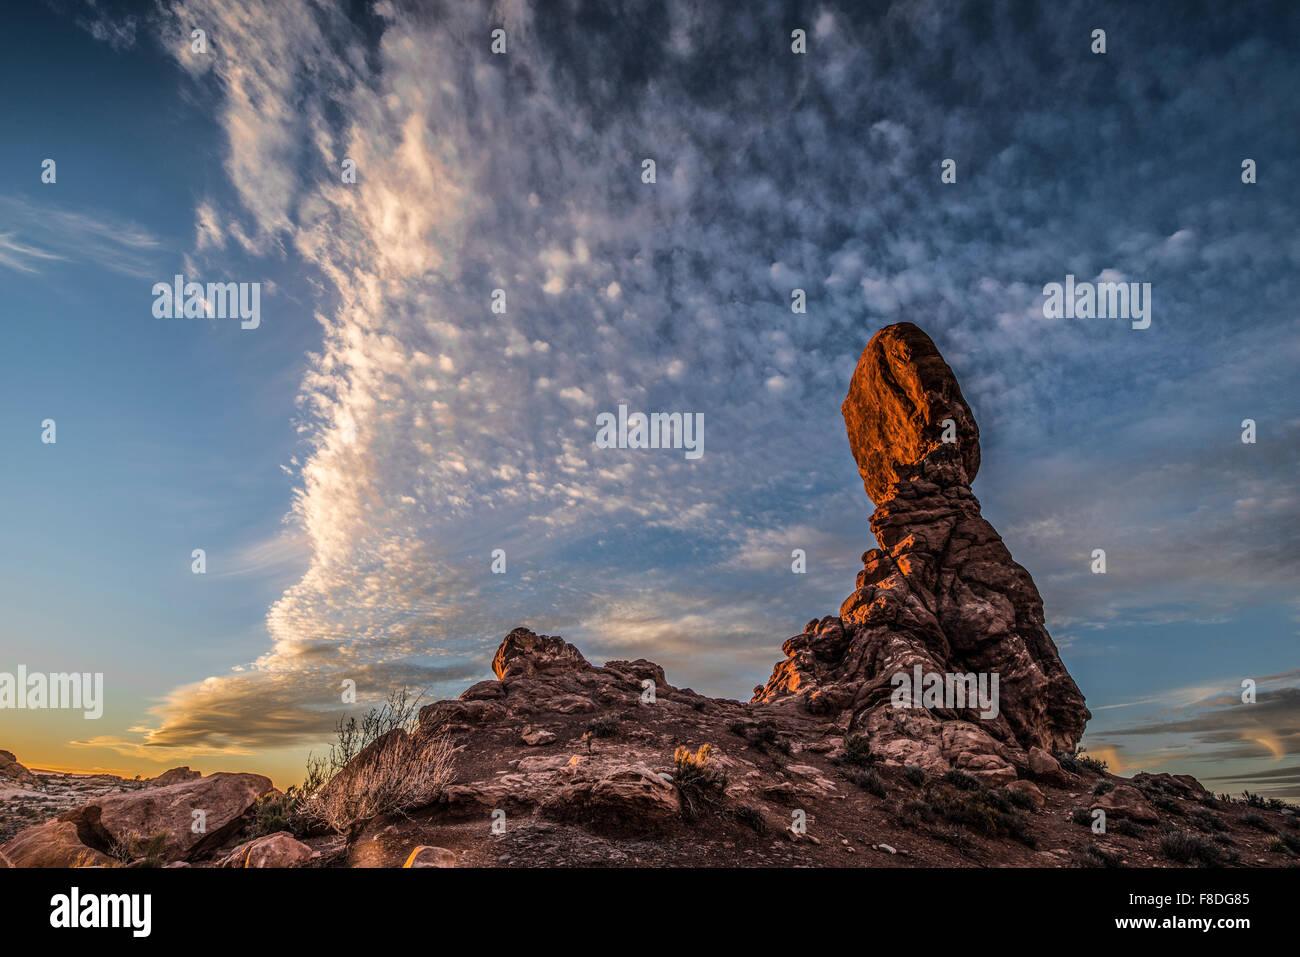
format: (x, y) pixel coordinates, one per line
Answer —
(941, 592)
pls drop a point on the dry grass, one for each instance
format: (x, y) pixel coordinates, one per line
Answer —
(386, 764)
(402, 773)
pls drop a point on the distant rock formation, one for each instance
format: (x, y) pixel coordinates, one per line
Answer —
(174, 776)
(14, 773)
(941, 593)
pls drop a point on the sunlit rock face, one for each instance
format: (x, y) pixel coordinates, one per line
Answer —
(941, 592)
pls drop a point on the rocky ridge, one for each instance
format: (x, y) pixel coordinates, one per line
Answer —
(561, 762)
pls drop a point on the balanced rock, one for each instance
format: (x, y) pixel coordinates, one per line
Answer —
(940, 596)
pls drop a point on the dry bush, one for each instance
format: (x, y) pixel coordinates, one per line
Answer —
(384, 765)
(403, 772)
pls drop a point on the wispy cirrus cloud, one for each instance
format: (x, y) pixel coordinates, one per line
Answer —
(38, 235)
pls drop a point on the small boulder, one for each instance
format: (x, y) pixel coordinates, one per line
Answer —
(537, 737)
(1126, 802)
(427, 856)
(281, 849)
(1044, 766)
(1028, 789)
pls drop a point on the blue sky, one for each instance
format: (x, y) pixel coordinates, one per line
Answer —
(350, 465)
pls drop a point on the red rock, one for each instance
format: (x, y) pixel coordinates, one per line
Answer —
(525, 653)
(941, 592)
(52, 844)
(281, 849)
(174, 776)
(223, 798)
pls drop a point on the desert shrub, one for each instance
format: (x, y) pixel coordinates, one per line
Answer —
(1210, 801)
(1081, 760)
(151, 851)
(407, 770)
(764, 735)
(751, 818)
(1164, 802)
(699, 781)
(1018, 799)
(914, 774)
(737, 726)
(1253, 800)
(277, 812)
(1288, 841)
(1125, 827)
(857, 751)
(1096, 857)
(1067, 761)
(606, 726)
(1103, 787)
(979, 811)
(1259, 822)
(955, 837)
(867, 779)
(916, 812)
(1206, 820)
(1081, 816)
(1186, 847)
(1000, 799)
(961, 780)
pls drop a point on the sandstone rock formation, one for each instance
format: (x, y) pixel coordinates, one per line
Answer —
(94, 831)
(560, 762)
(281, 849)
(174, 776)
(13, 773)
(940, 592)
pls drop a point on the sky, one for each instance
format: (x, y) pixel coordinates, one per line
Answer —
(350, 465)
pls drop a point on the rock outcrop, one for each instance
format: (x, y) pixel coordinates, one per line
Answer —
(14, 774)
(174, 776)
(940, 594)
(98, 831)
(557, 761)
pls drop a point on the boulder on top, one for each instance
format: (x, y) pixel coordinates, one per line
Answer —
(900, 401)
(524, 653)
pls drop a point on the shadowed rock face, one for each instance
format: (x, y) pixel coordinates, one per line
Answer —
(941, 591)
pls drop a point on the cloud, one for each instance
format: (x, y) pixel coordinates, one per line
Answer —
(39, 235)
